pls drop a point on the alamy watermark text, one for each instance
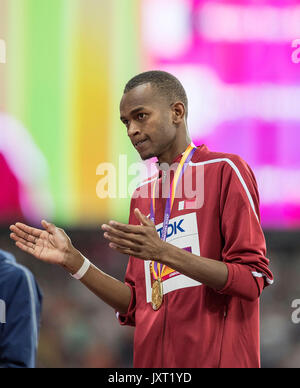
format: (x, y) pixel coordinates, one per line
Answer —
(129, 180)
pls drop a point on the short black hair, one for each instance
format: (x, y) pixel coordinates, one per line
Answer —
(166, 84)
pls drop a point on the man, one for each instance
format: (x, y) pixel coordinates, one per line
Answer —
(20, 316)
(194, 302)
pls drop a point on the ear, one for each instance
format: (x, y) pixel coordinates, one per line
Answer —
(178, 112)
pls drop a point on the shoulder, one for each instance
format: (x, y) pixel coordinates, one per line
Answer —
(204, 156)
(225, 163)
(14, 275)
(143, 189)
(146, 182)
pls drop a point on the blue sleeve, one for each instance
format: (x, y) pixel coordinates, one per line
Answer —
(19, 334)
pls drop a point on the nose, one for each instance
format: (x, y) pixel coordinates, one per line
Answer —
(133, 130)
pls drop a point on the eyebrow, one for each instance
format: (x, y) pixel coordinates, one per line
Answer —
(134, 111)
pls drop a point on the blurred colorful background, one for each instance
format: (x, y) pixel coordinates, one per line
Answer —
(67, 62)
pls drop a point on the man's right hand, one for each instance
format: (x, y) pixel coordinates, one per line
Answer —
(51, 245)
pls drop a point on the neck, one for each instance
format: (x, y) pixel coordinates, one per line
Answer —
(174, 150)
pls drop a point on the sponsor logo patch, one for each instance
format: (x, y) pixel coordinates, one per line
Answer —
(182, 233)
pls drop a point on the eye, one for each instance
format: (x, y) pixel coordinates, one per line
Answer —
(141, 116)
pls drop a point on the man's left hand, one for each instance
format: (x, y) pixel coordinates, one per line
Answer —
(141, 241)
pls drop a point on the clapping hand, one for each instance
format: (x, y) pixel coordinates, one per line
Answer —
(51, 245)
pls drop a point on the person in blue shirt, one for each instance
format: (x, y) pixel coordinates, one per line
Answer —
(20, 311)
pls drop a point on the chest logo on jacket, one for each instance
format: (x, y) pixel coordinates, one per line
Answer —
(173, 228)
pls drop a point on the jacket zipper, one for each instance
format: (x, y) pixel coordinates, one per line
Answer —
(163, 179)
(223, 329)
(164, 331)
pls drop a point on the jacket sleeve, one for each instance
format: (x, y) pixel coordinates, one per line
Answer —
(19, 335)
(129, 317)
(244, 250)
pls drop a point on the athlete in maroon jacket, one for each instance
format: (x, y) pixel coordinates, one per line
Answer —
(197, 255)
(199, 325)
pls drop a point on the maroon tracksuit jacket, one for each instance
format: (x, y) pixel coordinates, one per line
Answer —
(197, 326)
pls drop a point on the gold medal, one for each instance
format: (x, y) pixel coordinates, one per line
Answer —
(157, 294)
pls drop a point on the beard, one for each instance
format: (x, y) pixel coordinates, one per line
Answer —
(149, 154)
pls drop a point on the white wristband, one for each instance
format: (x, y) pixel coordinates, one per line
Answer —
(83, 270)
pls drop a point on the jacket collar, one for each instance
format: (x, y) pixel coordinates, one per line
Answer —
(165, 167)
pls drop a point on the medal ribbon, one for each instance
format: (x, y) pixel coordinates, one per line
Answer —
(157, 268)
